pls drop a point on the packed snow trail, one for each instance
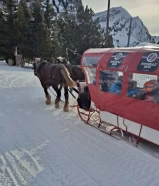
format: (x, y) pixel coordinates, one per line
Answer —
(43, 146)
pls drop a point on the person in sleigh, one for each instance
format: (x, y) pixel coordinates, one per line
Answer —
(150, 91)
(116, 86)
(132, 89)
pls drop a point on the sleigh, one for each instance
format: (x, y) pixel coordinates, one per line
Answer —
(123, 89)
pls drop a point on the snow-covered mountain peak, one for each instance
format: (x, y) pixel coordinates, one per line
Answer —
(119, 24)
(114, 13)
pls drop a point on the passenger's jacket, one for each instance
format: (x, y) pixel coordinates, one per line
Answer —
(116, 87)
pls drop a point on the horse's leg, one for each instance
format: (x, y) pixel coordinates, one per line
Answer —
(58, 92)
(47, 95)
(66, 106)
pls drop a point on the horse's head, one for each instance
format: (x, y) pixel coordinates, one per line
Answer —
(80, 73)
(76, 72)
(36, 63)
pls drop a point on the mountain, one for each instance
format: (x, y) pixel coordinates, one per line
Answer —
(119, 25)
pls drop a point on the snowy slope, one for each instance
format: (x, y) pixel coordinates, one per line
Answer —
(147, 44)
(43, 146)
(61, 5)
(70, 5)
(155, 39)
(119, 27)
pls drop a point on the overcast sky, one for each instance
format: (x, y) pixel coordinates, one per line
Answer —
(147, 10)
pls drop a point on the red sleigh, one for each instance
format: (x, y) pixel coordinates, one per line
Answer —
(119, 81)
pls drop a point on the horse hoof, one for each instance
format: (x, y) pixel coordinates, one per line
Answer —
(48, 102)
(66, 109)
(57, 106)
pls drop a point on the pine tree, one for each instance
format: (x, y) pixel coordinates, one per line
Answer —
(27, 15)
(48, 13)
(5, 50)
(79, 32)
(89, 32)
(10, 12)
(57, 40)
(23, 17)
(49, 19)
(40, 45)
(11, 7)
(67, 33)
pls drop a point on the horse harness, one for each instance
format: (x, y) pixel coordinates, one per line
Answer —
(53, 77)
(59, 66)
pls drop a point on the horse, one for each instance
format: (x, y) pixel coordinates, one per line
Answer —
(54, 75)
(76, 74)
(74, 70)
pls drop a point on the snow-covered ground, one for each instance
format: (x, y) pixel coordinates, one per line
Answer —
(43, 146)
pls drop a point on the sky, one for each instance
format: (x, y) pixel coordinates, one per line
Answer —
(147, 10)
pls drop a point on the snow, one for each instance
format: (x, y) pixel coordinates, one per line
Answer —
(156, 39)
(43, 146)
(71, 6)
(148, 44)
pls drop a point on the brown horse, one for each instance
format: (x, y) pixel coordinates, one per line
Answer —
(75, 72)
(54, 75)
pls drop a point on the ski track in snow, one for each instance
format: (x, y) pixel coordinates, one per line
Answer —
(43, 146)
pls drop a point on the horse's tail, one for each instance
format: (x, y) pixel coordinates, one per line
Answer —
(67, 77)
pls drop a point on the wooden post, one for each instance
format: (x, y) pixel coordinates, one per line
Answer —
(15, 51)
(107, 24)
(18, 59)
